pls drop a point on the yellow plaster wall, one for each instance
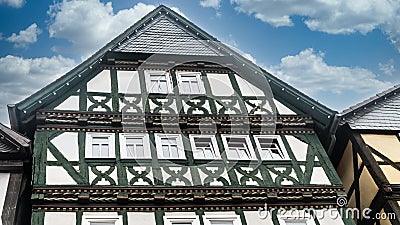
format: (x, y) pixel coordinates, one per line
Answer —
(345, 167)
(368, 189)
(392, 174)
(388, 145)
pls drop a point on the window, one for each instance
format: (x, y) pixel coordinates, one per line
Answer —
(238, 147)
(158, 82)
(298, 217)
(134, 146)
(190, 83)
(103, 218)
(100, 145)
(271, 147)
(185, 218)
(169, 146)
(204, 147)
(221, 218)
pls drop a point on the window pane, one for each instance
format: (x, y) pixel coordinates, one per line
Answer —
(208, 153)
(162, 87)
(165, 149)
(104, 150)
(95, 150)
(295, 223)
(100, 140)
(185, 87)
(130, 151)
(134, 140)
(174, 151)
(139, 151)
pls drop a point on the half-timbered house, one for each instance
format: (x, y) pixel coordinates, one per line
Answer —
(14, 177)
(167, 125)
(366, 156)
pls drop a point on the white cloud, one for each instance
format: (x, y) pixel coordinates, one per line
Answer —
(211, 3)
(333, 16)
(90, 24)
(13, 3)
(21, 77)
(309, 72)
(387, 68)
(25, 37)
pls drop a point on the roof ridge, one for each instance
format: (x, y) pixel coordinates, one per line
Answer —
(378, 97)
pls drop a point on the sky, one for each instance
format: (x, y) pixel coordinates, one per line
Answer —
(338, 52)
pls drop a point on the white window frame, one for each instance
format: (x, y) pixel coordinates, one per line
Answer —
(221, 217)
(303, 217)
(178, 137)
(248, 143)
(170, 220)
(99, 217)
(196, 154)
(124, 151)
(89, 142)
(263, 154)
(197, 75)
(148, 73)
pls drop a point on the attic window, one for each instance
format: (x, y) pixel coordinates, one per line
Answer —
(204, 147)
(238, 147)
(158, 82)
(134, 146)
(190, 83)
(271, 147)
(169, 146)
(100, 145)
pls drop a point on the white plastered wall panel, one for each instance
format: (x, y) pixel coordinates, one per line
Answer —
(282, 109)
(128, 82)
(298, 147)
(57, 175)
(255, 217)
(71, 103)
(4, 179)
(67, 144)
(145, 218)
(220, 84)
(60, 218)
(100, 83)
(249, 89)
(319, 177)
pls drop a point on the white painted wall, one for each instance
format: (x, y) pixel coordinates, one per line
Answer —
(59, 218)
(57, 175)
(67, 144)
(128, 82)
(248, 89)
(4, 178)
(254, 217)
(282, 109)
(298, 147)
(71, 103)
(100, 83)
(145, 218)
(319, 176)
(220, 84)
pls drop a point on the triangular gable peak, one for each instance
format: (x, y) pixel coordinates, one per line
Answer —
(380, 112)
(165, 36)
(165, 31)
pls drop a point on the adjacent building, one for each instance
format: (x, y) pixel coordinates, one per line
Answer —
(367, 156)
(14, 179)
(167, 125)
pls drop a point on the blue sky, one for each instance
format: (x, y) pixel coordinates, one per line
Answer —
(338, 52)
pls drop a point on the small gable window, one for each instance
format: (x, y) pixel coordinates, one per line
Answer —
(271, 147)
(204, 147)
(158, 82)
(238, 147)
(100, 145)
(190, 83)
(170, 146)
(134, 146)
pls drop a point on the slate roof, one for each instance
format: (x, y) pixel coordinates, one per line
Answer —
(163, 36)
(10, 140)
(380, 112)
